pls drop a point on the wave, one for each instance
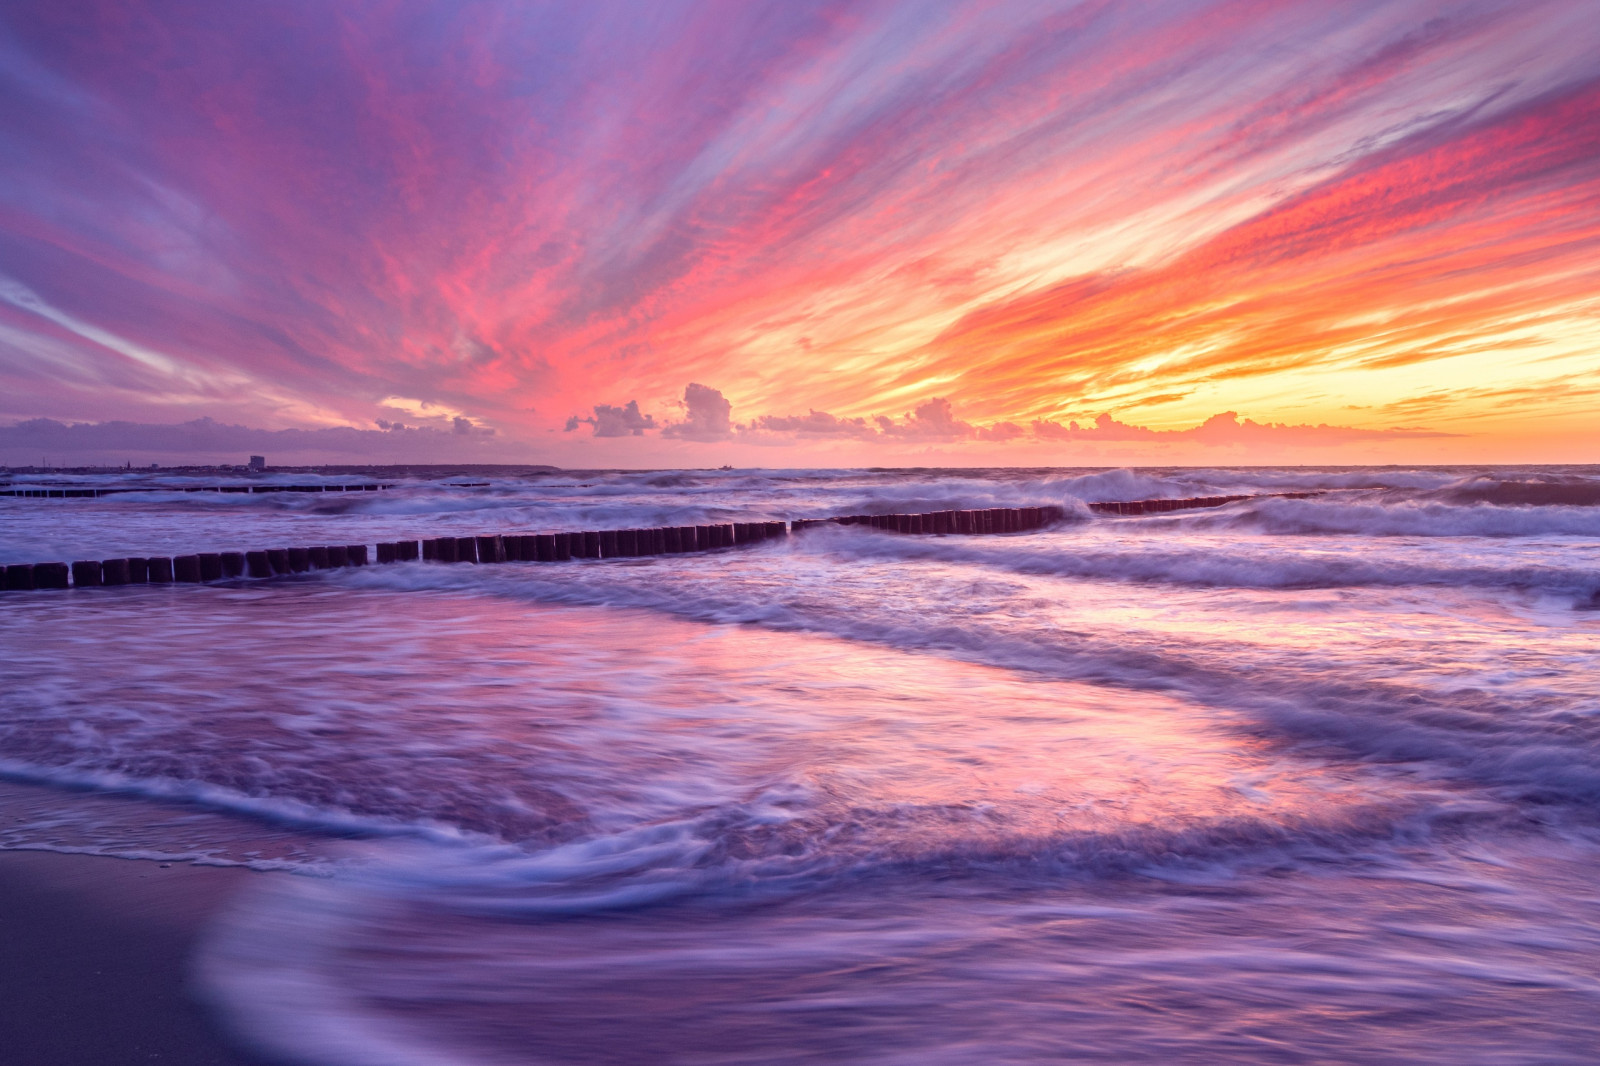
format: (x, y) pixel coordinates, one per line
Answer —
(1207, 565)
(277, 810)
(1521, 743)
(757, 852)
(1538, 490)
(1409, 518)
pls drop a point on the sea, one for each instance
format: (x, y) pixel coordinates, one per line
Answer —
(1291, 780)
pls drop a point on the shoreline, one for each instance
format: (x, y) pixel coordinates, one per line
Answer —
(94, 960)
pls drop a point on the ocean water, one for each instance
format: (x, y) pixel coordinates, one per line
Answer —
(1288, 781)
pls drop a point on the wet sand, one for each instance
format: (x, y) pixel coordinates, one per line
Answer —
(94, 956)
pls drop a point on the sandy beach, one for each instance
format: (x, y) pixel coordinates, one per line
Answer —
(93, 960)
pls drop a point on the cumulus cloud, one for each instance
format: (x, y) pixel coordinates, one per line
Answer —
(709, 415)
(936, 421)
(609, 421)
(933, 420)
(709, 419)
(1225, 429)
(1105, 428)
(1001, 431)
(815, 424)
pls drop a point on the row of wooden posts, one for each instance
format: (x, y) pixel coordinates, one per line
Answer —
(544, 547)
(1162, 506)
(496, 548)
(590, 544)
(972, 523)
(90, 494)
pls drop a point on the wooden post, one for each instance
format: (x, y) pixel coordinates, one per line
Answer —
(405, 551)
(491, 549)
(318, 556)
(114, 572)
(159, 570)
(19, 577)
(608, 544)
(356, 554)
(232, 564)
(257, 565)
(338, 556)
(50, 575)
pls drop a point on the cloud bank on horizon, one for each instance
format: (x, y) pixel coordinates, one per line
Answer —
(982, 231)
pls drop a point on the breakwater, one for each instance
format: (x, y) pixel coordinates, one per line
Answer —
(206, 567)
(1140, 507)
(66, 493)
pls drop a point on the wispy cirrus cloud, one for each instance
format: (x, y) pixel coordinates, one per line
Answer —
(1035, 211)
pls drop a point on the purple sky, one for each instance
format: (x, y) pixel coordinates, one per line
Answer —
(803, 233)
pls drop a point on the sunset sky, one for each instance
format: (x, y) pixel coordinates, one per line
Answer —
(802, 233)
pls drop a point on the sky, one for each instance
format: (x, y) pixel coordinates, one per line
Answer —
(796, 233)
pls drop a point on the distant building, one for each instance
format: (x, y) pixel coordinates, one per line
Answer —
(258, 462)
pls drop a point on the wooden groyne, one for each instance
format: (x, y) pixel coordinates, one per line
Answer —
(206, 567)
(47, 493)
(1137, 507)
(967, 523)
